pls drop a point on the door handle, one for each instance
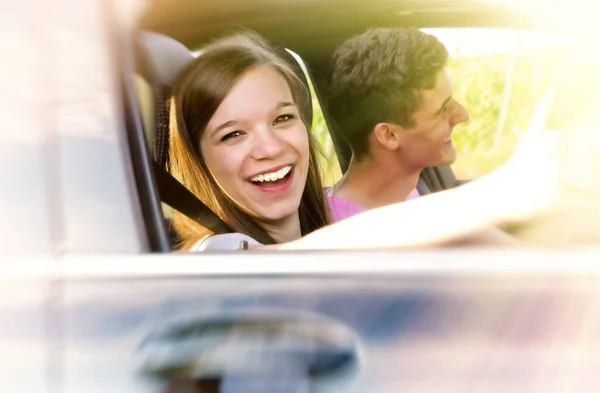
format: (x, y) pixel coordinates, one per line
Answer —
(252, 350)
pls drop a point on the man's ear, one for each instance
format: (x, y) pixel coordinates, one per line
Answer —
(388, 135)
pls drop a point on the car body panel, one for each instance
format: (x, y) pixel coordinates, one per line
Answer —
(421, 329)
(30, 357)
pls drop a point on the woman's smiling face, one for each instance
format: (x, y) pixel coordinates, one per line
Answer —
(256, 146)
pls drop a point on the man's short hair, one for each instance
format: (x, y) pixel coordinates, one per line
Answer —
(378, 77)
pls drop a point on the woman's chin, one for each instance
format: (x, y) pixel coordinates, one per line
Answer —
(276, 215)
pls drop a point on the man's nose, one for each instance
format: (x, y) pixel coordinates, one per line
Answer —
(267, 144)
(460, 115)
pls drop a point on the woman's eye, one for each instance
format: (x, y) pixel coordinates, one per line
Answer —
(283, 118)
(231, 135)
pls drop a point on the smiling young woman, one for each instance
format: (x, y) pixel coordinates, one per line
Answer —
(241, 144)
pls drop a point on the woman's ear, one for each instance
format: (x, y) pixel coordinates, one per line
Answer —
(388, 135)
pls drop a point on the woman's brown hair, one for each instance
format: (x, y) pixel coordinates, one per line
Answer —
(197, 93)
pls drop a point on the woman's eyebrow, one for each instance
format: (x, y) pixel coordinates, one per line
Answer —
(283, 104)
(224, 125)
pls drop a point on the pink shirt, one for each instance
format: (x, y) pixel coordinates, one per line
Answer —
(342, 208)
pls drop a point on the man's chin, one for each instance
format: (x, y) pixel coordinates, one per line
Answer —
(446, 161)
(449, 155)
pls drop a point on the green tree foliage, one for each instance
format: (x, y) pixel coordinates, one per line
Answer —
(479, 84)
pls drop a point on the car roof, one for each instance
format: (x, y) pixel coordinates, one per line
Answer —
(312, 28)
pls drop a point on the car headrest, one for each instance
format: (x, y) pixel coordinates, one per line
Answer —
(164, 57)
(159, 59)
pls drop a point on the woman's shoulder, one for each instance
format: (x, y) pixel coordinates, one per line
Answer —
(224, 242)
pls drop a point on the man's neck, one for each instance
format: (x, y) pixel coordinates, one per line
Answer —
(372, 184)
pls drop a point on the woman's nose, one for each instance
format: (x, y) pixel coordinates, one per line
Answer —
(267, 144)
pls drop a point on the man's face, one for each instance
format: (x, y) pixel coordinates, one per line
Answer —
(429, 142)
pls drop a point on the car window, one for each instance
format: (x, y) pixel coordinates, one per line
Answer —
(500, 76)
(329, 164)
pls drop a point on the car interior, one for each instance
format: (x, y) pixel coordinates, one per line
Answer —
(168, 36)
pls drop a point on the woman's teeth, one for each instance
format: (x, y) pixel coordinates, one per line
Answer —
(272, 176)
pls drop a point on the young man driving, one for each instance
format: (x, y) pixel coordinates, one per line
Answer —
(390, 97)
